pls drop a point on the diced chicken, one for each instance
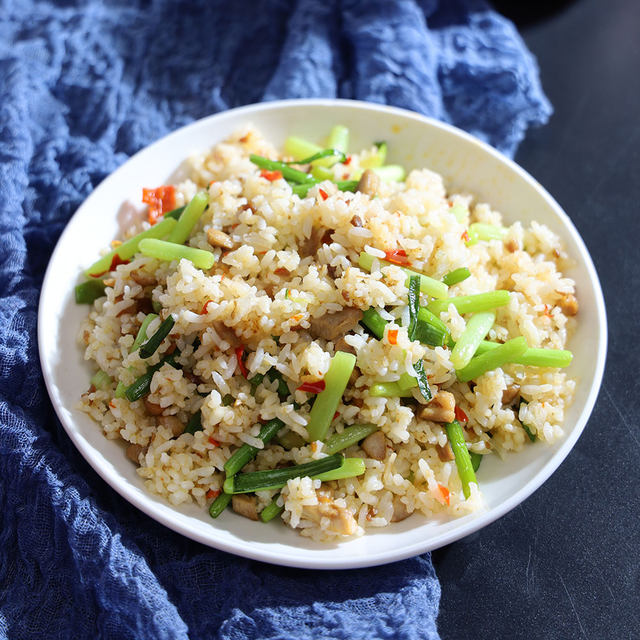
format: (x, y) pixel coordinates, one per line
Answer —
(341, 520)
(375, 445)
(441, 408)
(333, 326)
(318, 237)
(445, 453)
(134, 451)
(569, 304)
(173, 424)
(217, 238)
(152, 408)
(245, 505)
(400, 511)
(369, 183)
(510, 394)
(341, 345)
(142, 278)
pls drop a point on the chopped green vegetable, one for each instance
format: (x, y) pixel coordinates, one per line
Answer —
(195, 423)
(189, 218)
(101, 380)
(528, 430)
(219, 504)
(476, 459)
(391, 173)
(327, 401)
(321, 174)
(343, 185)
(423, 382)
(477, 328)
(291, 440)
(414, 305)
(142, 332)
(533, 356)
(456, 276)
(428, 286)
(175, 213)
(505, 353)
(288, 173)
(277, 478)
(350, 468)
(472, 303)
(376, 160)
(300, 148)
(140, 387)
(389, 390)
(88, 292)
(459, 211)
(246, 452)
(350, 436)
(373, 321)
(272, 510)
(407, 382)
(157, 307)
(334, 154)
(487, 232)
(462, 457)
(121, 387)
(339, 138)
(162, 250)
(129, 248)
(227, 400)
(428, 334)
(152, 344)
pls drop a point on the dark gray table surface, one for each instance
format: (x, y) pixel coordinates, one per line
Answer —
(564, 564)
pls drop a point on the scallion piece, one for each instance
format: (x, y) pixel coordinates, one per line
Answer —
(142, 332)
(101, 380)
(350, 468)
(334, 154)
(152, 344)
(487, 232)
(327, 401)
(140, 387)
(195, 423)
(129, 248)
(389, 390)
(428, 286)
(219, 504)
(373, 321)
(291, 440)
(246, 452)
(456, 276)
(350, 436)
(338, 138)
(459, 211)
(476, 459)
(504, 354)
(414, 305)
(227, 400)
(462, 457)
(477, 328)
(189, 218)
(343, 185)
(428, 334)
(423, 382)
(272, 510)
(88, 292)
(534, 356)
(391, 173)
(407, 381)
(277, 478)
(472, 303)
(377, 159)
(320, 174)
(288, 173)
(300, 148)
(168, 251)
(121, 387)
(175, 213)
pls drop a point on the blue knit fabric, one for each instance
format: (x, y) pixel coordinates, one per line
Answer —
(82, 87)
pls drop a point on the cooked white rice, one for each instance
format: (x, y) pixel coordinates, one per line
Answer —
(266, 287)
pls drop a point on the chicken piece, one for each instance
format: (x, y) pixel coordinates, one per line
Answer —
(341, 520)
(445, 453)
(152, 408)
(400, 511)
(510, 394)
(341, 345)
(369, 183)
(318, 237)
(569, 304)
(245, 505)
(375, 445)
(142, 278)
(172, 423)
(333, 326)
(134, 451)
(217, 238)
(441, 408)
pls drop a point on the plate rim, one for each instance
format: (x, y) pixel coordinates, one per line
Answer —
(319, 561)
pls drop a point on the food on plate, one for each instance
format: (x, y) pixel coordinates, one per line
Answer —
(324, 338)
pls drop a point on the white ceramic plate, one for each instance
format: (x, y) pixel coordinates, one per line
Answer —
(414, 141)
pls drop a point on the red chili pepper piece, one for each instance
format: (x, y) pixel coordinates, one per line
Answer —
(213, 493)
(205, 306)
(347, 161)
(397, 256)
(213, 441)
(323, 194)
(240, 358)
(312, 387)
(392, 336)
(115, 261)
(465, 236)
(271, 175)
(335, 415)
(160, 200)
(461, 416)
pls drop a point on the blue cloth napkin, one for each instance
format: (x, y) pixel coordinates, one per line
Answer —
(82, 87)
